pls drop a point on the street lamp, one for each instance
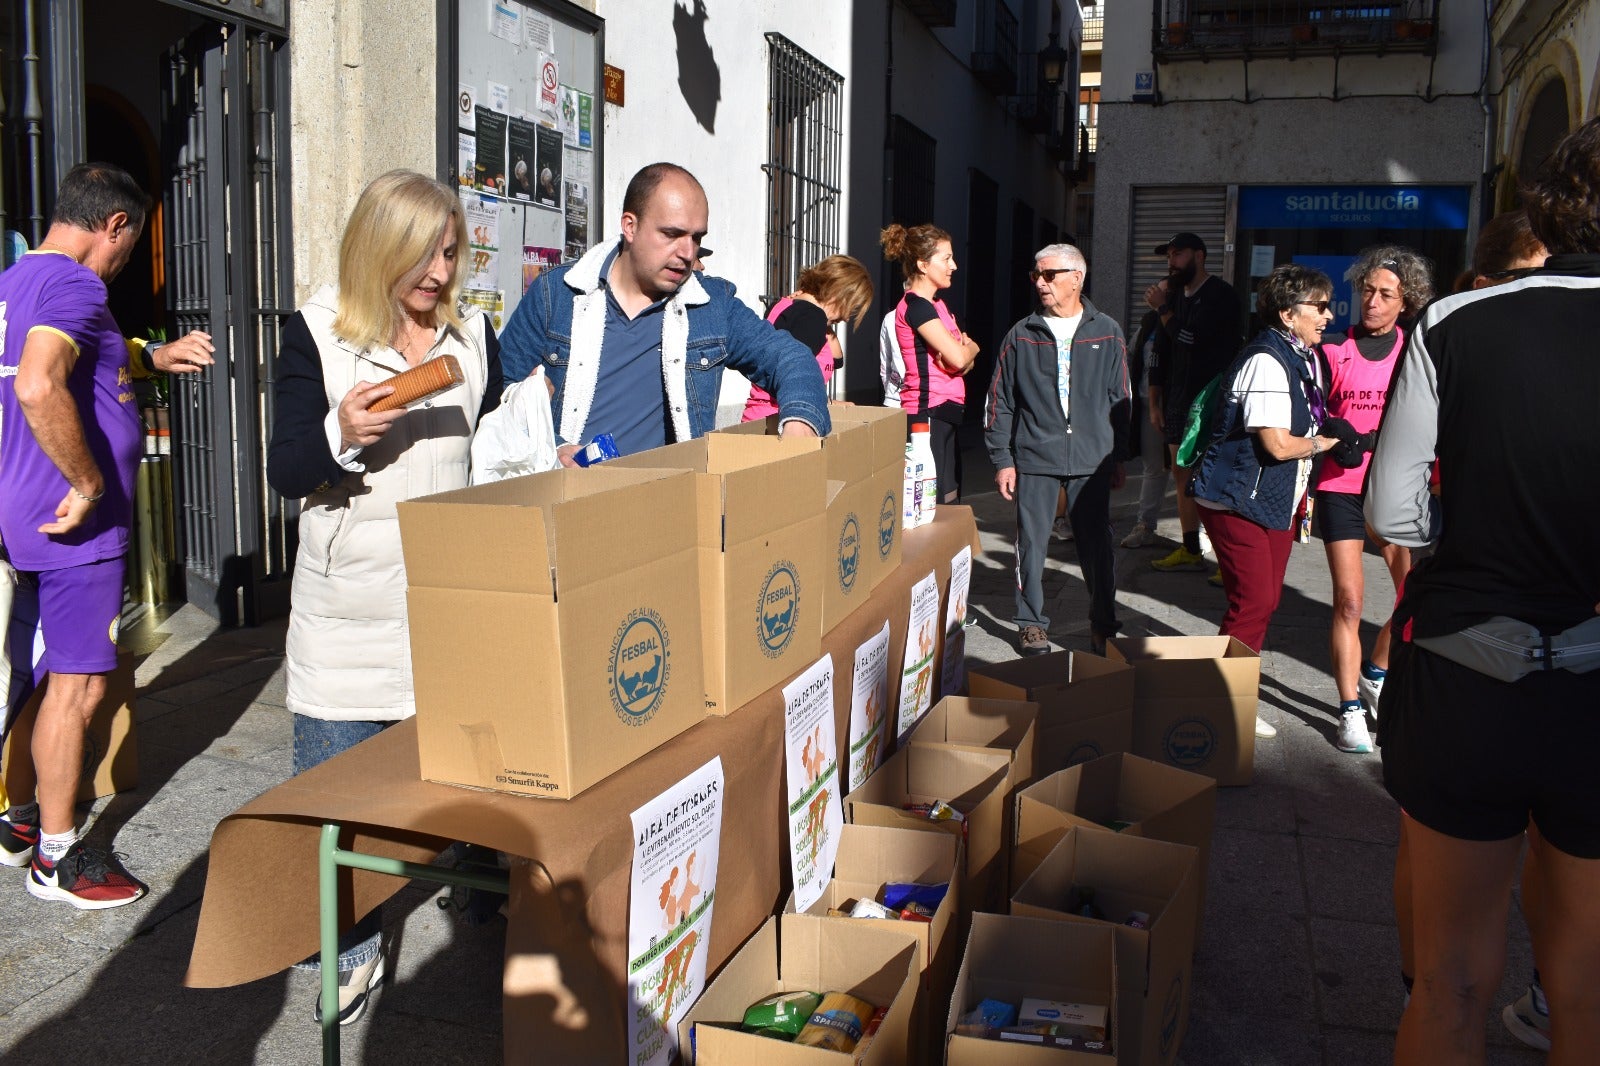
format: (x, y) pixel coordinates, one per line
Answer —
(1053, 62)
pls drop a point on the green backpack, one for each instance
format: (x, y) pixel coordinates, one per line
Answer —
(1197, 430)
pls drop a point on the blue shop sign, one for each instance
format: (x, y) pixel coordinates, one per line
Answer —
(1413, 207)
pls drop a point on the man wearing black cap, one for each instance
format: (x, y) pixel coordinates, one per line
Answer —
(1199, 336)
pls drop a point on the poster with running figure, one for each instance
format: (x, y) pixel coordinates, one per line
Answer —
(869, 708)
(815, 811)
(953, 672)
(922, 643)
(676, 838)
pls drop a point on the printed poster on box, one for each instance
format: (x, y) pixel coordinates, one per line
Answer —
(954, 672)
(677, 837)
(869, 707)
(922, 644)
(812, 771)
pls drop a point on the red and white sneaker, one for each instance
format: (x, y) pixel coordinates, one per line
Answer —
(18, 835)
(87, 878)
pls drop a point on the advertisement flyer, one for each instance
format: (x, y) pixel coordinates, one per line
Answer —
(953, 675)
(490, 171)
(812, 762)
(492, 301)
(577, 118)
(922, 641)
(536, 261)
(505, 20)
(676, 839)
(869, 707)
(483, 241)
(547, 189)
(577, 228)
(466, 157)
(522, 140)
(549, 85)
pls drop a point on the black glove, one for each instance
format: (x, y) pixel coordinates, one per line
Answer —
(1338, 427)
(1348, 453)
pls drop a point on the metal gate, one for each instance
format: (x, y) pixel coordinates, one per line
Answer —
(225, 106)
(1159, 211)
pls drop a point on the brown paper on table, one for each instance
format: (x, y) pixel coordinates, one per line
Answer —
(566, 945)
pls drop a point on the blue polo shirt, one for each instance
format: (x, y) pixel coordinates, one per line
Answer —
(630, 401)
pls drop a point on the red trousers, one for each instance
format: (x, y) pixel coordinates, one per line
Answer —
(1254, 560)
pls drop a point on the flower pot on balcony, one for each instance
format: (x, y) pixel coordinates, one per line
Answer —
(1177, 33)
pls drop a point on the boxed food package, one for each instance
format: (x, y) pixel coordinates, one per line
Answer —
(945, 790)
(799, 953)
(1117, 793)
(1012, 963)
(554, 637)
(760, 504)
(1145, 891)
(1194, 703)
(1085, 703)
(110, 748)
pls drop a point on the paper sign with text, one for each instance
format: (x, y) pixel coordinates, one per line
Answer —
(954, 669)
(815, 811)
(869, 707)
(922, 641)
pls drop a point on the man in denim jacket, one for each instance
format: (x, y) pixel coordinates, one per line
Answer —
(634, 341)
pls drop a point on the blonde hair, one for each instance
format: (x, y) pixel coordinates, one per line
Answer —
(841, 281)
(391, 237)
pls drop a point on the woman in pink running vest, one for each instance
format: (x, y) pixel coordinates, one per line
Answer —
(836, 290)
(1389, 283)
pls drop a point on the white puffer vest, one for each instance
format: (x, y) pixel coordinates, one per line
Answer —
(349, 646)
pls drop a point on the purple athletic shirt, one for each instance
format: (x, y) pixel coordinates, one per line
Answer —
(48, 291)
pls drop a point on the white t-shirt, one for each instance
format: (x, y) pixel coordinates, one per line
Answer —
(1064, 330)
(1263, 391)
(891, 364)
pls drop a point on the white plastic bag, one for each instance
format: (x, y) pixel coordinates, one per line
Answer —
(519, 436)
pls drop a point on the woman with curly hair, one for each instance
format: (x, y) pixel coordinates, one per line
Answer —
(1390, 283)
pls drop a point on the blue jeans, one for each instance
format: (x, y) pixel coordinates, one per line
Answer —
(316, 741)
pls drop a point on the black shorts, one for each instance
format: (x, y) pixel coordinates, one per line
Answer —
(1475, 758)
(946, 457)
(1340, 516)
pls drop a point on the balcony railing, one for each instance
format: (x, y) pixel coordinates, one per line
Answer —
(1093, 138)
(994, 59)
(1219, 29)
(933, 12)
(1094, 28)
(1035, 104)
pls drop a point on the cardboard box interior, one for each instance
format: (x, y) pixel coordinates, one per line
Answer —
(597, 652)
(1085, 703)
(1194, 703)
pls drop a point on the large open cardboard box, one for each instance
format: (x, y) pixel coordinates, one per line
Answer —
(797, 952)
(871, 857)
(971, 781)
(1150, 799)
(1194, 703)
(760, 504)
(1154, 964)
(1085, 703)
(983, 725)
(110, 750)
(1010, 958)
(555, 636)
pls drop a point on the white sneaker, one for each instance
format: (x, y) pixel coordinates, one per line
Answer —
(1528, 1018)
(1062, 529)
(1369, 691)
(1265, 729)
(355, 991)
(1141, 536)
(1353, 735)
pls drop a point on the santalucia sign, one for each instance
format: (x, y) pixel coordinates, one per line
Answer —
(1392, 207)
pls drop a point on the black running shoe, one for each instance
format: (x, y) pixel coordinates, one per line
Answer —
(19, 832)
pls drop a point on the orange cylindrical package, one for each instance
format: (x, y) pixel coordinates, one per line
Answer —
(420, 382)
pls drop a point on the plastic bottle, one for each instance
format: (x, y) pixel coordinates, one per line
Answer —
(923, 478)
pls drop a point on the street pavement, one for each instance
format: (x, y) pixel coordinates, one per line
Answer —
(1299, 963)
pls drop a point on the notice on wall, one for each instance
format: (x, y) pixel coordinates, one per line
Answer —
(953, 674)
(535, 261)
(812, 768)
(577, 220)
(521, 139)
(466, 107)
(491, 301)
(676, 839)
(489, 172)
(922, 641)
(549, 86)
(547, 189)
(869, 707)
(483, 241)
(539, 33)
(466, 157)
(505, 20)
(577, 118)
(1261, 257)
(580, 166)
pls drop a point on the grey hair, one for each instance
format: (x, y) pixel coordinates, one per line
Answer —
(1414, 271)
(1287, 285)
(1069, 252)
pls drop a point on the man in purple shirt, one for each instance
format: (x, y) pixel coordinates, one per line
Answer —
(69, 447)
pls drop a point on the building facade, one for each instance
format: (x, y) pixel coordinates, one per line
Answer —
(1548, 58)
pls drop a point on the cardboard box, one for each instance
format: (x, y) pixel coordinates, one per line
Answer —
(872, 856)
(984, 725)
(1153, 800)
(760, 505)
(971, 781)
(111, 748)
(1154, 964)
(799, 952)
(1085, 703)
(1194, 703)
(1011, 958)
(555, 637)
(847, 585)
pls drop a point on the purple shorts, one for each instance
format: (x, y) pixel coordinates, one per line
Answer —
(79, 608)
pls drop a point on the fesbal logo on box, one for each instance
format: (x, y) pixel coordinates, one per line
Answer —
(778, 608)
(849, 552)
(888, 514)
(1191, 742)
(640, 666)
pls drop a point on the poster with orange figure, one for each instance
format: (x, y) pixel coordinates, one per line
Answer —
(869, 708)
(953, 670)
(816, 813)
(676, 837)
(922, 644)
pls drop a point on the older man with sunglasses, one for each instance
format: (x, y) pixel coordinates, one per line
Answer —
(1057, 418)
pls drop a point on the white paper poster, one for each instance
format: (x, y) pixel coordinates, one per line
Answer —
(1261, 257)
(676, 838)
(483, 240)
(815, 812)
(922, 640)
(539, 32)
(549, 87)
(466, 107)
(466, 155)
(500, 98)
(869, 707)
(953, 672)
(505, 20)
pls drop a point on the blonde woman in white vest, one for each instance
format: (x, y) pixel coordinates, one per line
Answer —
(396, 306)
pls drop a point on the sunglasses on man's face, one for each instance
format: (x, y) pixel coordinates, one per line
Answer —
(1321, 305)
(1049, 274)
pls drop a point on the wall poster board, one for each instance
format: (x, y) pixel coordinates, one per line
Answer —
(522, 140)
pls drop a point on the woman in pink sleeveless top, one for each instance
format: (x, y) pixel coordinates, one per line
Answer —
(836, 290)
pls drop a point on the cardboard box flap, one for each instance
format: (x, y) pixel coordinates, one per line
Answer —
(1137, 868)
(766, 485)
(962, 778)
(485, 547)
(886, 427)
(988, 723)
(1191, 667)
(876, 855)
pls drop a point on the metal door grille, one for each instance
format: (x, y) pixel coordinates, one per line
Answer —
(805, 148)
(1159, 211)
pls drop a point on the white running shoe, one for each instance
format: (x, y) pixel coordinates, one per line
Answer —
(1265, 729)
(1353, 735)
(1528, 1018)
(1062, 529)
(1369, 691)
(1141, 536)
